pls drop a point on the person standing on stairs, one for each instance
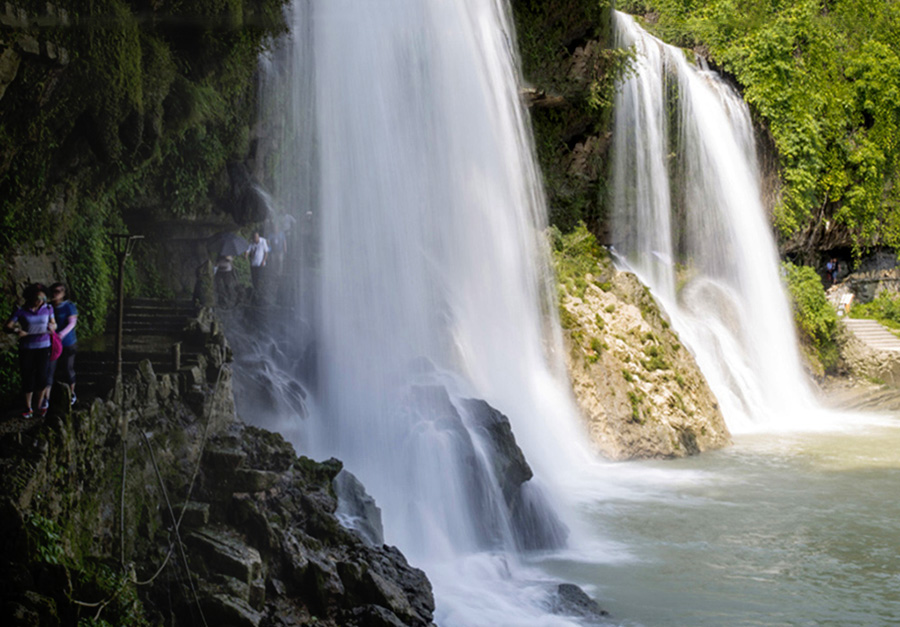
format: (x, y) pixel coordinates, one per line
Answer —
(33, 323)
(63, 369)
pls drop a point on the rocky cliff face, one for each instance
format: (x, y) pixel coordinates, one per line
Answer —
(639, 389)
(161, 507)
(571, 68)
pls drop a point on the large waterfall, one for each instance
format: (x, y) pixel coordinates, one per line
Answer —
(688, 218)
(432, 286)
(420, 311)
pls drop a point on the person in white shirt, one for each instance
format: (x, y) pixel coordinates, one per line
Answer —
(258, 253)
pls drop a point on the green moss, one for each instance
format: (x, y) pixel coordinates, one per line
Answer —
(655, 359)
(636, 399)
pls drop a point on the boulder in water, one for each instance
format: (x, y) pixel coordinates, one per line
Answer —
(570, 600)
(535, 525)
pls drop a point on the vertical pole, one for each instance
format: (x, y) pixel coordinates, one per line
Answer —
(121, 315)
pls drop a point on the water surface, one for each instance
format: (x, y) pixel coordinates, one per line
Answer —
(784, 529)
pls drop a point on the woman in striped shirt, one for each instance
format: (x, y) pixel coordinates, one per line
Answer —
(33, 322)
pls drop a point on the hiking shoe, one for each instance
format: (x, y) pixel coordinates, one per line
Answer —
(74, 398)
(45, 405)
(28, 413)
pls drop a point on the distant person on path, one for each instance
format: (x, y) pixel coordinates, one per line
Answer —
(33, 323)
(225, 281)
(831, 271)
(66, 314)
(258, 254)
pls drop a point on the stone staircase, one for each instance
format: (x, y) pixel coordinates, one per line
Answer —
(873, 334)
(153, 329)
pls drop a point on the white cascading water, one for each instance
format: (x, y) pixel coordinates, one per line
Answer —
(686, 206)
(433, 288)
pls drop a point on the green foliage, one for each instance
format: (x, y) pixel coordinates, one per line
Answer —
(576, 255)
(825, 78)
(885, 308)
(46, 539)
(579, 106)
(140, 123)
(655, 359)
(814, 316)
(115, 591)
(91, 268)
(10, 377)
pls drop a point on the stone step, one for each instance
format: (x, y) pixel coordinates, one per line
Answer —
(873, 334)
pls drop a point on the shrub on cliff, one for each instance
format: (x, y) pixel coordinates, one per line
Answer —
(815, 318)
(885, 308)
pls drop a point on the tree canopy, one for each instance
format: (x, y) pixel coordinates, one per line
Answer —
(824, 75)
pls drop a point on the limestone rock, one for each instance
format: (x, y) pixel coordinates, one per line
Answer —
(638, 388)
(535, 524)
(509, 463)
(263, 543)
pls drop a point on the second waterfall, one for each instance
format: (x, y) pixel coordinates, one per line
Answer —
(688, 217)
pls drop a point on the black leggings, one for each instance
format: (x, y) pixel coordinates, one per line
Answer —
(33, 364)
(63, 369)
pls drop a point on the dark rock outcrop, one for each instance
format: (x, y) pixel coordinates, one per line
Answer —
(535, 525)
(164, 505)
(357, 509)
(570, 600)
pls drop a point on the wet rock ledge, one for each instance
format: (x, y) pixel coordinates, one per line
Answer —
(163, 509)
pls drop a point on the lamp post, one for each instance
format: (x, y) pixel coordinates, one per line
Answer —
(123, 245)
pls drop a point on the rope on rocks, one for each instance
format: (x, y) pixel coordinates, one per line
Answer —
(101, 605)
(175, 521)
(159, 570)
(190, 490)
(207, 413)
